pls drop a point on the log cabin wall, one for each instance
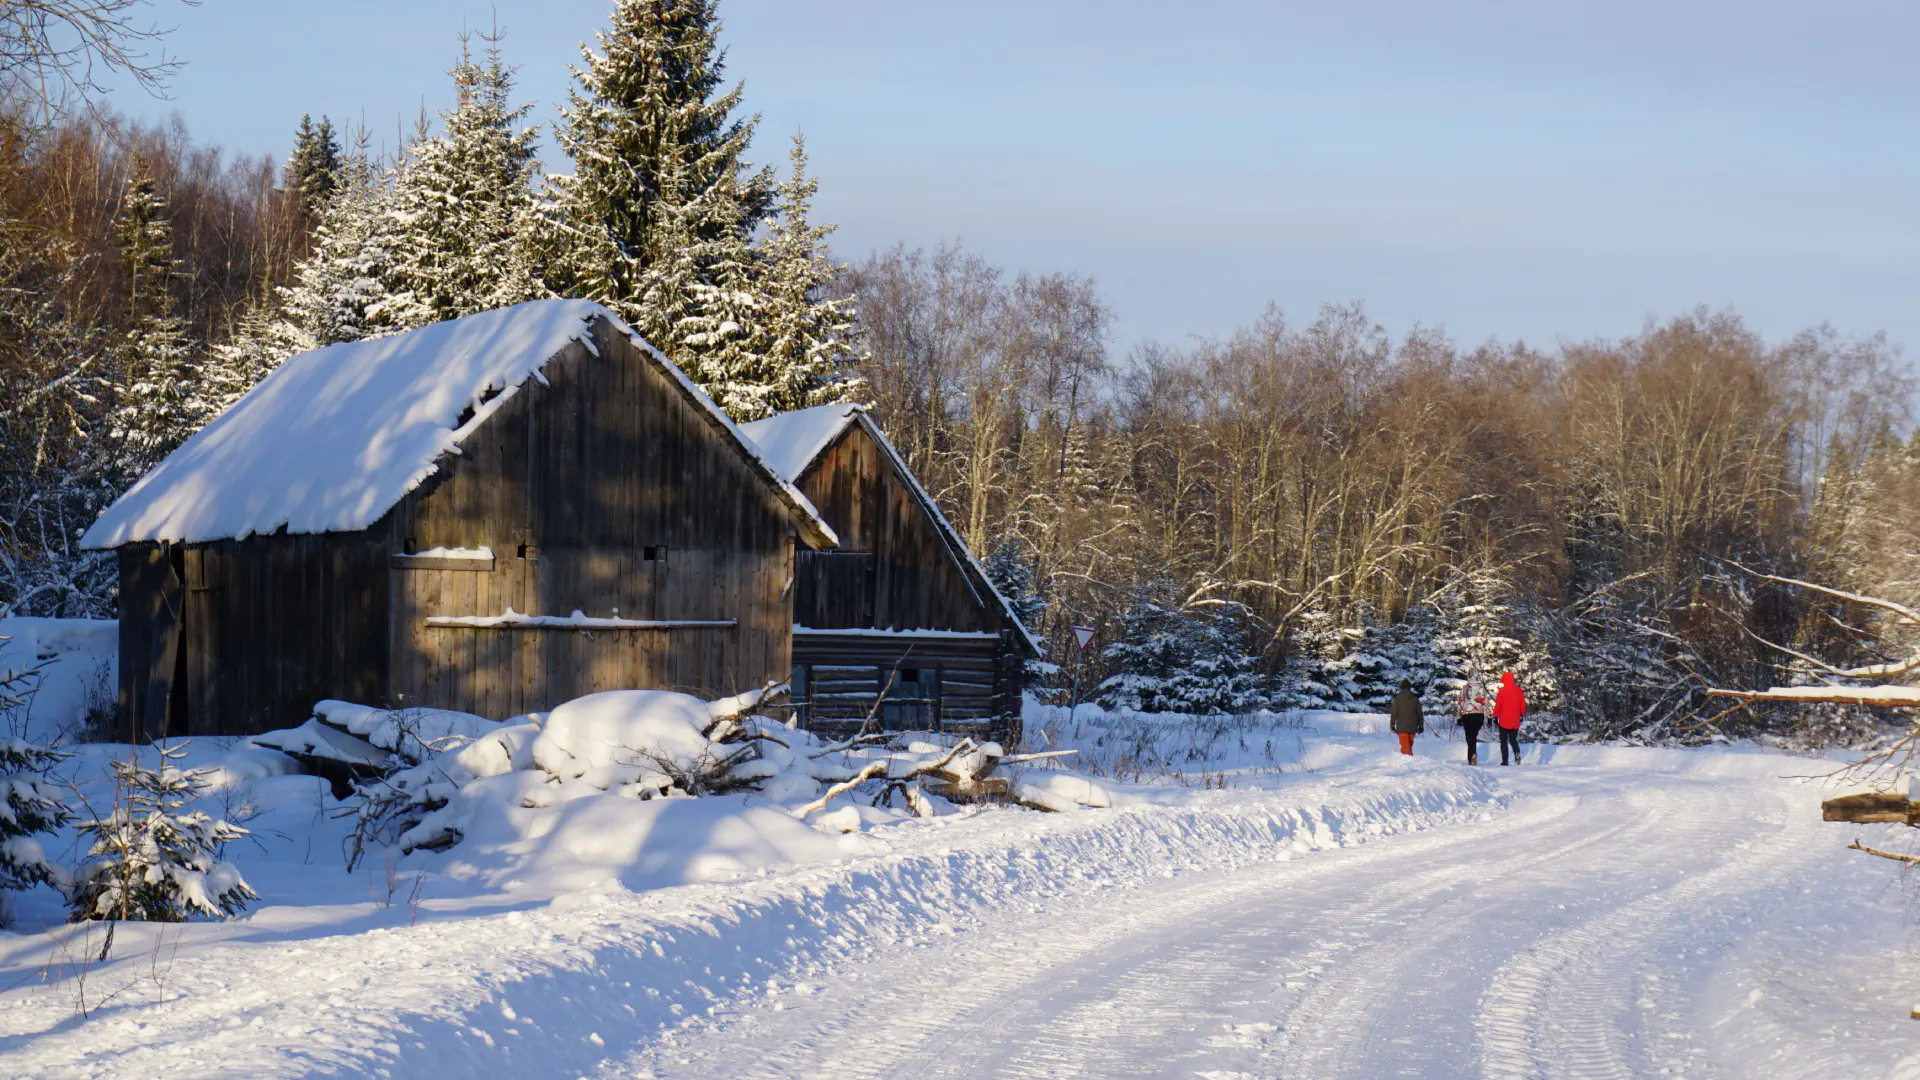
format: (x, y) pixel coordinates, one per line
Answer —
(608, 491)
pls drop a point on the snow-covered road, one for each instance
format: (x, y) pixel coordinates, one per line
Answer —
(1608, 925)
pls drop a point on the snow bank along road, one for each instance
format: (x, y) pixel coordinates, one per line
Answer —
(1615, 922)
(1611, 913)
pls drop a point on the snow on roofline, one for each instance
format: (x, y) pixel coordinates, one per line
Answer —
(793, 441)
(335, 437)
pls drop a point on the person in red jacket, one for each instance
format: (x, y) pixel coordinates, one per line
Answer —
(1509, 705)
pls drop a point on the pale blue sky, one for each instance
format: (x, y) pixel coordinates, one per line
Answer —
(1497, 168)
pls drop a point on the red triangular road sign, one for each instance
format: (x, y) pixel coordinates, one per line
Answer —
(1083, 634)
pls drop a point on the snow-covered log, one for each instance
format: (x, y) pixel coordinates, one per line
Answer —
(1891, 697)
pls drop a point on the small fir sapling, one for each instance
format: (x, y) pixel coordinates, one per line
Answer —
(29, 804)
(149, 860)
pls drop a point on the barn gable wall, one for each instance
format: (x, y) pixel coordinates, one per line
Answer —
(605, 490)
(893, 569)
(572, 484)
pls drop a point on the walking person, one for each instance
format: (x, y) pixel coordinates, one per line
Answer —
(1508, 707)
(1473, 708)
(1405, 717)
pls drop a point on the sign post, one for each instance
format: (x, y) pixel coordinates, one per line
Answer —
(1082, 635)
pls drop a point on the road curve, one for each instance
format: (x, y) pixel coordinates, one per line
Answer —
(1573, 936)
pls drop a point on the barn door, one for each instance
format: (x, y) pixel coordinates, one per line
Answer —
(166, 694)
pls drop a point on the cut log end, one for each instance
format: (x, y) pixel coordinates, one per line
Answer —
(1871, 808)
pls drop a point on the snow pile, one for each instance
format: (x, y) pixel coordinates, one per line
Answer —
(73, 676)
(415, 734)
(570, 796)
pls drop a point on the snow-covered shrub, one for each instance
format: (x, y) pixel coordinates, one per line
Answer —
(151, 861)
(29, 806)
(1487, 624)
(1358, 666)
(1170, 660)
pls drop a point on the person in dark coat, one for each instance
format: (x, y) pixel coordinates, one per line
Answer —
(1509, 705)
(1405, 717)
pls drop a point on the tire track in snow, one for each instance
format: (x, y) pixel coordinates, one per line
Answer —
(1555, 1010)
(1504, 949)
(1320, 1033)
(920, 1013)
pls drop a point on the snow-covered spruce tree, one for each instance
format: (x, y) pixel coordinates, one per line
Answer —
(150, 861)
(1487, 624)
(314, 166)
(651, 136)
(30, 806)
(797, 351)
(344, 290)
(1318, 674)
(465, 202)
(1170, 660)
(1014, 574)
(157, 406)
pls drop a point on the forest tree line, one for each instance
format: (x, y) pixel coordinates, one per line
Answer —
(1296, 514)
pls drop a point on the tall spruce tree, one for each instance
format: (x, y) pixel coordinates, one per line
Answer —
(466, 199)
(799, 352)
(157, 406)
(314, 167)
(660, 176)
(345, 289)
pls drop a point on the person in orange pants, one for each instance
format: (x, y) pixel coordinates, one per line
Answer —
(1405, 717)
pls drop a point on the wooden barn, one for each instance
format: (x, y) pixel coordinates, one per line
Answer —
(900, 613)
(493, 514)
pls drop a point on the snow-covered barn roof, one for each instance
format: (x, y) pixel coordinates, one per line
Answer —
(792, 441)
(336, 436)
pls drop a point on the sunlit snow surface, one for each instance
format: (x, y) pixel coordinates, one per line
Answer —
(1336, 911)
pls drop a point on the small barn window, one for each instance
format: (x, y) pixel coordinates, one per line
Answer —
(911, 698)
(528, 551)
(654, 553)
(410, 546)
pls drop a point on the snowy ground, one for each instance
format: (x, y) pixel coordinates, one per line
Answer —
(1335, 911)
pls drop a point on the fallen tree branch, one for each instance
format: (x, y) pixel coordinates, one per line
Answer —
(874, 768)
(1908, 859)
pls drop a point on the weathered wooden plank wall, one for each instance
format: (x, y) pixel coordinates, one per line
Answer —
(276, 623)
(911, 578)
(605, 491)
